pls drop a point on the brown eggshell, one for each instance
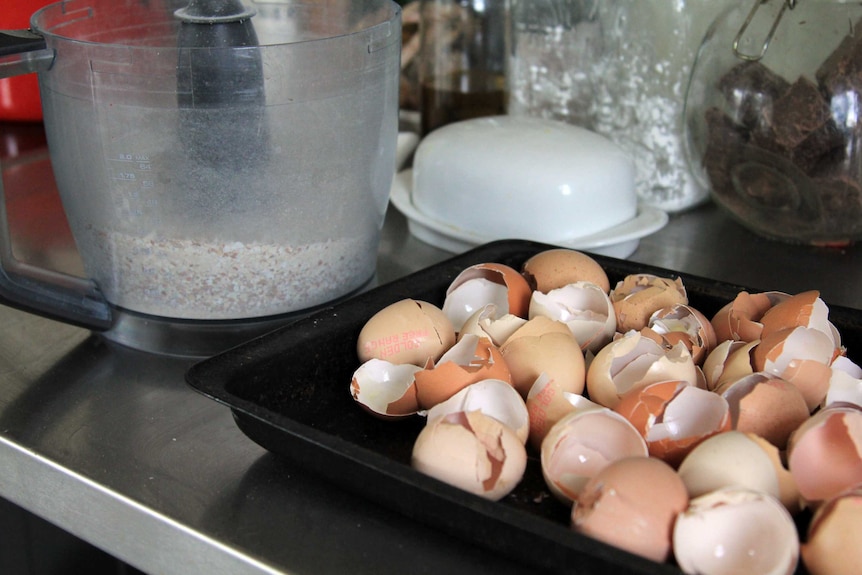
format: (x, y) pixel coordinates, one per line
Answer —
(805, 309)
(632, 504)
(638, 296)
(556, 354)
(765, 406)
(462, 299)
(472, 359)
(547, 403)
(674, 416)
(832, 545)
(493, 397)
(555, 268)
(408, 331)
(729, 361)
(384, 389)
(539, 325)
(740, 319)
(471, 451)
(686, 324)
(825, 454)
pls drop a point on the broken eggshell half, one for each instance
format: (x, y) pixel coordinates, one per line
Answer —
(482, 284)
(637, 296)
(584, 307)
(385, 389)
(493, 397)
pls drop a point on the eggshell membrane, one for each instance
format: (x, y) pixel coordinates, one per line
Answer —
(740, 318)
(765, 406)
(736, 530)
(684, 323)
(583, 307)
(555, 268)
(472, 359)
(486, 323)
(728, 459)
(632, 504)
(407, 331)
(832, 545)
(486, 283)
(473, 452)
(729, 361)
(557, 354)
(674, 416)
(633, 361)
(385, 389)
(823, 455)
(638, 296)
(801, 356)
(494, 398)
(547, 403)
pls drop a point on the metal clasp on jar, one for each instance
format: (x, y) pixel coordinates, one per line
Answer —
(764, 46)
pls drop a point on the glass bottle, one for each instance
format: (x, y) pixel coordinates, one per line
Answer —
(463, 60)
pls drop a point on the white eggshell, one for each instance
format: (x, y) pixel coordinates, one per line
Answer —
(736, 530)
(493, 397)
(485, 322)
(845, 384)
(486, 174)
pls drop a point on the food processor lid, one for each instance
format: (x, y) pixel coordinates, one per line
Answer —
(214, 12)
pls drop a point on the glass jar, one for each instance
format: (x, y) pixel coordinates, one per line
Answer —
(619, 68)
(462, 60)
(774, 121)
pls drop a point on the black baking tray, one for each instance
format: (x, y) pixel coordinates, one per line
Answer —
(289, 392)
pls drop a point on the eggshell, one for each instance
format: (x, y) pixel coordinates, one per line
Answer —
(686, 324)
(638, 296)
(825, 454)
(801, 356)
(736, 530)
(481, 284)
(674, 416)
(581, 444)
(486, 322)
(547, 403)
(740, 319)
(556, 354)
(473, 452)
(585, 309)
(470, 360)
(493, 397)
(633, 361)
(555, 268)
(765, 406)
(632, 504)
(729, 361)
(832, 546)
(805, 309)
(407, 331)
(385, 389)
(845, 384)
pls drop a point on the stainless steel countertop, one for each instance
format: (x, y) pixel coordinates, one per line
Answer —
(112, 445)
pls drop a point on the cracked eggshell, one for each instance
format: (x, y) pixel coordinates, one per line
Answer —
(407, 331)
(471, 451)
(481, 284)
(633, 361)
(674, 416)
(584, 307)
(632, 504)
(547, 403)
(737, 459)
(845, 384)
(729, 361)
(805, 309)
(801, 356)
(581, 444)
(556, 354)
(832, 543)
(683, 323)
(740, 318)
(470, 360)
(486, 323)
(638, 296)
(555, 268)
(385, 389)
(825, 454)
(765, 406)
(736, 530)
(493, 397)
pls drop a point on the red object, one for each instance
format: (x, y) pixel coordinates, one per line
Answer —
(19, 96)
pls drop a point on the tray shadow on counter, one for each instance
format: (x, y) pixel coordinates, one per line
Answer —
(289, 392)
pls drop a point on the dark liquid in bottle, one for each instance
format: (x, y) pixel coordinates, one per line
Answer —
(462, 96)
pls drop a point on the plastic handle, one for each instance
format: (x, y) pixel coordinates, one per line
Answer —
(45, 292)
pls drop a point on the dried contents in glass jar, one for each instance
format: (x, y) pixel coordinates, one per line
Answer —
(782, 154)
